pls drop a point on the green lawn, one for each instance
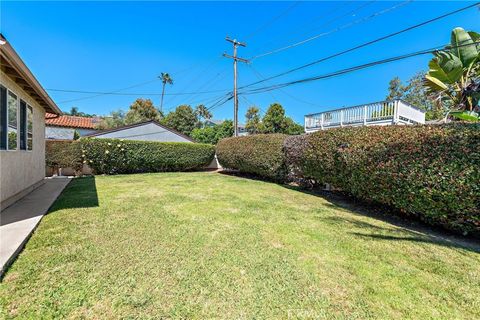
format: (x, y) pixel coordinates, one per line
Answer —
(207, 245)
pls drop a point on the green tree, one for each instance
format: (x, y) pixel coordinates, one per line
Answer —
(74, 111)
(202, 112)
(396, 90)
(453, 74)
(114, 120)
(213, 134)
(166, 79)
(292, 127)
(253, 124)
(142, 110)
(274, 119)
(183, 119)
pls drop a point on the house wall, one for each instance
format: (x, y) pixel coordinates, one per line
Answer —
(21, 169)
(147, 132)
(63, 133)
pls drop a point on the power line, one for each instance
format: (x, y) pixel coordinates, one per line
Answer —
(363, 45)
(271, 21)
(98, 93)
(352, 69)
(260, 76)
(343, 27)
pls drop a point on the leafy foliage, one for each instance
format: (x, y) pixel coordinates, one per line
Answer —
(428, 171)
(142, 110)
(260, 154)
(114, 156)
(183, 119)
(415, 93)
(213, 134)
(64, 154)
(453, 72)
(274, 121)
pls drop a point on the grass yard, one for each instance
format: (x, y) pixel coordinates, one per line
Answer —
(207, 245)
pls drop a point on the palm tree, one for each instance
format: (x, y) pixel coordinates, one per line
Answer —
(203, 112)
(454, 74)
(165, 77)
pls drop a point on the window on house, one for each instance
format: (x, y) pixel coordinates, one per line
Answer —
(3, 118)
(23, 125)
(29, 128)
(12, 120)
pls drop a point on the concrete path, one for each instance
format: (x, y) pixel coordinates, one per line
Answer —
(18, 221)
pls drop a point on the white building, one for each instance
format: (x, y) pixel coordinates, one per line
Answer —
(379, 113)
(144, 131)
(23, 103)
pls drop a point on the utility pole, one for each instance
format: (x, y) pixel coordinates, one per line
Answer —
(235, 95)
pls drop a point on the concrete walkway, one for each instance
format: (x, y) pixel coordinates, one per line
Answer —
(18, 221)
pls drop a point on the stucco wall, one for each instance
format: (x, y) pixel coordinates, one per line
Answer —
(20, 169)
(64, 133)
(147, 132)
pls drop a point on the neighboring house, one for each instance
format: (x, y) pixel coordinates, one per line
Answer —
(382, 113)
(242, 131)
(145, 131)
(23, 103)
(64, 127)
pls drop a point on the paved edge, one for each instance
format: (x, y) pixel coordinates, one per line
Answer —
(53, 188)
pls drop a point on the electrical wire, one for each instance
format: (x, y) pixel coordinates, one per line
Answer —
(348, 25)
(352, 69)
(365, 44)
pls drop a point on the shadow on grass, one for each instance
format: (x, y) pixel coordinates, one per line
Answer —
(402, 228)
(80, 193)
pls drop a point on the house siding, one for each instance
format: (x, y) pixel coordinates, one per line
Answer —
(64, 133)
(20, 169)
(146, 132)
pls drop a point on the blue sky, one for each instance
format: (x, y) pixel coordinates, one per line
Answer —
(106, 46)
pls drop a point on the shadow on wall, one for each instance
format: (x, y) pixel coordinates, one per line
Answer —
(80, 193)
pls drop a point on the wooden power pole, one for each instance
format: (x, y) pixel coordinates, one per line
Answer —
(235, 95)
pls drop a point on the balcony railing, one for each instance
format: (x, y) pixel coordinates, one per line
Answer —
(379, 113)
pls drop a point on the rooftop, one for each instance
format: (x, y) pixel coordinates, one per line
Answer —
(71, 121)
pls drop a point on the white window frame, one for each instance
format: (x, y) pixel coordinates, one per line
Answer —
(7, 149)
(18, 109)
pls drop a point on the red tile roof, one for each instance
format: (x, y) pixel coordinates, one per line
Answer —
(70, 121)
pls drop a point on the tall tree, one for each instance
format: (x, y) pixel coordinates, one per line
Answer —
(183, 119)
(74, 111)
(166, 79)
(202, 112)
(396, 90)
(454, 74)
(274, 119)
(142, 110)
(253, 124)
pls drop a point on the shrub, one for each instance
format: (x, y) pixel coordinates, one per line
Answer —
(260, 154)
(64, 154)
(112, 156)
(432, 172)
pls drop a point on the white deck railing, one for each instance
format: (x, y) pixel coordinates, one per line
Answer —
(379, 113)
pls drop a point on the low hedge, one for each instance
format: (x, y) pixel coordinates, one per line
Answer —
(260, 154)
(113, 156)
(432, 172)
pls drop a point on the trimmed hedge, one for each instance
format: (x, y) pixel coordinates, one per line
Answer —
(114, 156)
(260, 154)
(64, 154)
(431, 172)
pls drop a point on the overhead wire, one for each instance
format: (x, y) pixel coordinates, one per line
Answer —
(365, 44)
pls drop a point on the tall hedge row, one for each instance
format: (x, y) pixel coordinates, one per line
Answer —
(113, 156)
(432, 172)
(257, 154)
